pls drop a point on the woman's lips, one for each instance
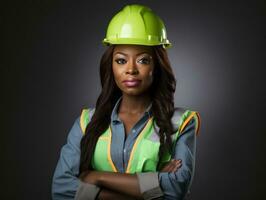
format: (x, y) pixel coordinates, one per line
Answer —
(131, 83)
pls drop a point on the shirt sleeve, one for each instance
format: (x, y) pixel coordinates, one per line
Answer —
(66, 185)
(175, 185)
(149, 185)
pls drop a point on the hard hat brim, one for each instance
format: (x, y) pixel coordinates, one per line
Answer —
(134, 41)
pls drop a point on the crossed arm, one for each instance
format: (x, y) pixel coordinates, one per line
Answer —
(113, 184)
(65, 182)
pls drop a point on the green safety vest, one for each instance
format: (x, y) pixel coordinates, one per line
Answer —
(144, 154)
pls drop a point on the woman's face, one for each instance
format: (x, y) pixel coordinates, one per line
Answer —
(133, 67)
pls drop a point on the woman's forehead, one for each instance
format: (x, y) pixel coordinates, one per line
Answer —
(132, 49)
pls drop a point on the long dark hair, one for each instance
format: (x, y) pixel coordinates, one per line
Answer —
(161, 91)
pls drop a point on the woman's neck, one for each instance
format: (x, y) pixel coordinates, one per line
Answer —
(131, 104)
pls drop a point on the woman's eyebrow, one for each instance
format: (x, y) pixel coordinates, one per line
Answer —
(136, 54)
(121, 53)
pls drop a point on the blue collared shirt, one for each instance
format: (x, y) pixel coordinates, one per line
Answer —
(121, 145)
(153, 184)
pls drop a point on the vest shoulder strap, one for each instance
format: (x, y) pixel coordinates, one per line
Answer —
(191, 115)
(85, 118)
(180, 120)
(182, 117)
(177, 116)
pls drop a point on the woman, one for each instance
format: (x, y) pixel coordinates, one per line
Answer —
(135, 144)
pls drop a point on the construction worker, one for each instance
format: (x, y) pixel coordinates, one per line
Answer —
(134, 144)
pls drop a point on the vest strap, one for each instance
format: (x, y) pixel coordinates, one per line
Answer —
(139, 160)
(85, 118)
(194, 115)
(183, 119)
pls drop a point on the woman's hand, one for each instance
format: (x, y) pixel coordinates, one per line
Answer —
(91, 177)
(172, 166)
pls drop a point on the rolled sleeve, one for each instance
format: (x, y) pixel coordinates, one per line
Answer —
(66, 184)
(87, 191)
(149, 185)
(175, 185)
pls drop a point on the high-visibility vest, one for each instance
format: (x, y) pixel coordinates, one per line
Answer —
(144, 154)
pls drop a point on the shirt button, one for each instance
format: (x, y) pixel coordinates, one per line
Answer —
(134, 131)
(125, 150)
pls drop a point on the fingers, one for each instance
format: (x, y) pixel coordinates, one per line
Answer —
(172, 166)
(175, 165)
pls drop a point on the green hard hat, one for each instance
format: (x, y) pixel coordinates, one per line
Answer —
(136, 24)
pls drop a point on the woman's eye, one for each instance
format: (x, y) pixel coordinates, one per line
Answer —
(145, 61)
(120, 61)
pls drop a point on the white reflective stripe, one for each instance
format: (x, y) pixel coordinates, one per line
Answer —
(154, 137)
(176, 119)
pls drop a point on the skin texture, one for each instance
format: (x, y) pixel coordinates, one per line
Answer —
(115, 182)
(129, 62)
(133, 62)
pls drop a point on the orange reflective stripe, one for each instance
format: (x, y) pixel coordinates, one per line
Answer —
(140, 136)
(197, 119)
(104, 138)
(186, 121)
(109, 151)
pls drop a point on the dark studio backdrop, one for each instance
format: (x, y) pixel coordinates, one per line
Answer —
(49, 69)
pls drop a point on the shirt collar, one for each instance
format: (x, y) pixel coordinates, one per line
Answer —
(114, 115)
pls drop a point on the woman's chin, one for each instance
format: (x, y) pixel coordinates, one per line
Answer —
(133, 92)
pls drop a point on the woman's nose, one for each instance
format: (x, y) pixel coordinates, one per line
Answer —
(132, 68)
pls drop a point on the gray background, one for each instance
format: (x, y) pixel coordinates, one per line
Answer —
(49, 70)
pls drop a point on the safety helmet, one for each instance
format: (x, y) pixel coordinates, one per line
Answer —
(136, 24)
